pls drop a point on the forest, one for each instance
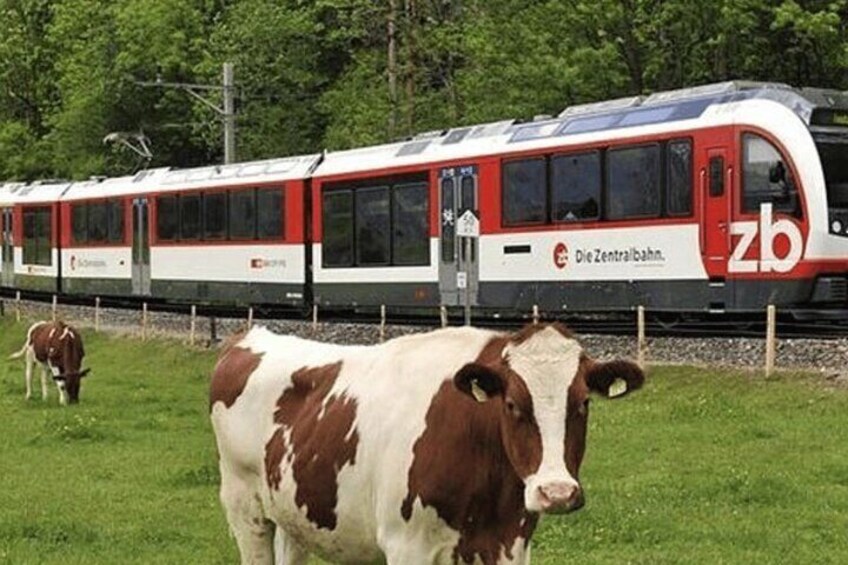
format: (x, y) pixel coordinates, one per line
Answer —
(312, 75)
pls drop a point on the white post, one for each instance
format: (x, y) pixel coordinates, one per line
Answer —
(249, 318)
(640, 336)
(314, 317)
(55, 303)
(193, 324)
(97, 314)
(467, 267)
(535, 314)
(770, 339)
(18, 306)
(443, 313)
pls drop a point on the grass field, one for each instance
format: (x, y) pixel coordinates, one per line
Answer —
(700, 467)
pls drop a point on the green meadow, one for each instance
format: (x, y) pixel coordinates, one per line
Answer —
(702, 466)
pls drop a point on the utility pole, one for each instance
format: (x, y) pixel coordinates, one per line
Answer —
(229, 116)
(227, 112)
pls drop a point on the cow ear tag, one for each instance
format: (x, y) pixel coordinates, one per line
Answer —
(478, 393)
(617, 388)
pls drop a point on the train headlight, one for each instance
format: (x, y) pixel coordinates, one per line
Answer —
(836, 226)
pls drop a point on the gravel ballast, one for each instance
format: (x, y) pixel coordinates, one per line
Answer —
(827, 356)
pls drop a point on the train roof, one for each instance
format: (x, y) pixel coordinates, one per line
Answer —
(7, 196)
(33, 193)
(271, 170)
(623, 113)
(167, 180)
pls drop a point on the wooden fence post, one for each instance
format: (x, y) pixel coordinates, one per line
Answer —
(443, 313)
(314, 317)
(54, 307)
(144, 321)
(382, 323)
(640, 336)
(18, 306)
(97, 314)
(535, 314)
(770, 339)
(193, 324)
(249, 318)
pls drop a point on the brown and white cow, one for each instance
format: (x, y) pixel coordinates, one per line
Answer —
(57, 347)
(443, 447)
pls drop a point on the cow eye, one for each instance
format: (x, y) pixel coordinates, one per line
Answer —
(514, 410)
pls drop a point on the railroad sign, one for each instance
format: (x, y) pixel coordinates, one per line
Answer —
(461, 280)
(468, 225)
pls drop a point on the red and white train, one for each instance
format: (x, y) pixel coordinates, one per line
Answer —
(725, 197)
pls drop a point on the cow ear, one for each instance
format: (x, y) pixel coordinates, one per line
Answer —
(614, 378)
(84, 372)
(479, 382)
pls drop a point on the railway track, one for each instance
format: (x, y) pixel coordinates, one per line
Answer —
(789, 325)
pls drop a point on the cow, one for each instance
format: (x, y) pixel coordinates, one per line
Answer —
(442, 447)
(57, 347)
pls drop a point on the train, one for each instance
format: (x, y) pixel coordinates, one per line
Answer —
(721, 198)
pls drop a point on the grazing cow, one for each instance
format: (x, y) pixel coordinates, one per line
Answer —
(57, 347)
(443, 447)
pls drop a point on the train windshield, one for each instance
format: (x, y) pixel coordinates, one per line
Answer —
(834, 159)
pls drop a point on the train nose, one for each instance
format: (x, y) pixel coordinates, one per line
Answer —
(560, 497)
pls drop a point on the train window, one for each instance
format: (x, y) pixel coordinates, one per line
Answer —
(337, 244)
(38, 230)
(679, 179)
(116, 221)
(98, 222)
(242, 214)
(167, 218)
(79, 223)
(766, 177)
(525, 192)
(269, 207)
(189, 217)
(372, 226)
(716, 176)
(215, 215)
(633, 182)
(448, 221)
(410, 234)
(466, 194)
(29, 246)
(832, 154)
(576, 187)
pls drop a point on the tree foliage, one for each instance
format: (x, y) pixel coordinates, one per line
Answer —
(316, 74)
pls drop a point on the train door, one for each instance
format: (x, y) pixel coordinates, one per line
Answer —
(458, 263)
(7, 249)
(140, 247)
(716, 197)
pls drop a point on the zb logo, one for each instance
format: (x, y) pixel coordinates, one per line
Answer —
(768, 230)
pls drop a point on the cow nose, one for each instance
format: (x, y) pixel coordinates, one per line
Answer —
(558, 498)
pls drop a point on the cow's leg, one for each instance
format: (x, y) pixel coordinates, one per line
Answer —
(60, 384)
(43, 382)
(287, 551)
(28, 375)
(254, 534)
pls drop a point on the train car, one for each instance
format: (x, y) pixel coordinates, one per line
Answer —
(719, 198)
(32, 254)
(7, 240)
(104, 236)
(230, 233)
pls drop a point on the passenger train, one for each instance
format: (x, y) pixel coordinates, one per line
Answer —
(719, 198)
